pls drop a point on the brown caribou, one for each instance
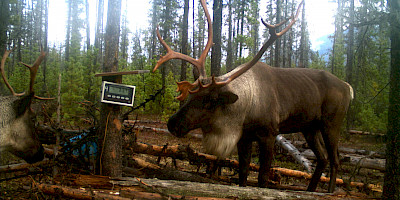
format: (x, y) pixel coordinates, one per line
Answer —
(256, 102)
(17, 127)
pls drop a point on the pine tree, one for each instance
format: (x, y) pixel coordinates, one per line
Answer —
(216, 53)
(111, 156)
(391, 186)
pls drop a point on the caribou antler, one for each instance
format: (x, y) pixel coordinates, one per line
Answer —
(274, 36)
(33, 72)
(3, 74)
(186, 87)
(198, 63)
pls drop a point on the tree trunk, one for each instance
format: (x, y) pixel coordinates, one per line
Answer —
(87, 26)
(154, 22)
(391, 186)
(284, 47)
(193, 31)
(278, 41)
(255, 13)
(241, 19)
(98, 36)
(45, 43)
(217, 29)
(271, 49)
(290, 42)
(4, 18)
(184, 44)
(303, 41)
(110, 137)
(69, 24)
(229, 56)
(350, 61)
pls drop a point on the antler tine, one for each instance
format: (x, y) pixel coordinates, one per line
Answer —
(3, 61)
(173, 55)
(33, 72)
(272, 27)
(34, 69)
(186, 87)
(271, 40)
(198, 63)
(294, 19)
(210, 43)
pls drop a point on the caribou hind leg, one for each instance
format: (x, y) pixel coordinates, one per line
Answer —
(331, 140)
(315, 142)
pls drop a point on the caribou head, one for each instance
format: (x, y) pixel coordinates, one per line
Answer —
(17, 125)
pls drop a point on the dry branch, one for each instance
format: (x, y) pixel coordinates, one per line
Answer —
(75, 193)
(353, 160)
(355, 132)
(294, 152)
(23, 166)
(183, 152)
(370, 154)
(153, 170)
(215, 190)
(126, 188)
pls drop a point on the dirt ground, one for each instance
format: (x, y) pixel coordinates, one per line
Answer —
(18, 185)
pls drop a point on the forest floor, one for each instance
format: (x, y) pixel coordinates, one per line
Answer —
(20, 185)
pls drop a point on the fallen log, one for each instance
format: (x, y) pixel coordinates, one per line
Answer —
(294, 152)
(75, 193)
(153, 170)
(365, 133)
(185, 188)
(105, 183)
(178, 152)
(302, 145)
(352, 160)
(23, 166)
(186, 153)
(369, 154)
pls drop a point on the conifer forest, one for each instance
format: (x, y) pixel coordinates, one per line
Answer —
(363, 50)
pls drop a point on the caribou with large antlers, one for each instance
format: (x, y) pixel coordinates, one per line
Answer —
(256, 102)
(17, 128)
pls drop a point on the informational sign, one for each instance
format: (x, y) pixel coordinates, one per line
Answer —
(116, 93)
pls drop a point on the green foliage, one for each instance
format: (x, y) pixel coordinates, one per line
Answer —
(371, 121)
(72, 91)
(139, 50)
(170, 104)
(317, 61)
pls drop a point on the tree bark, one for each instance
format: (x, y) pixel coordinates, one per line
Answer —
(45, 43)
(242, 5)
(87, 26)
(229, 56)
(184, 44)
(69, 24)
(350, 61)
(4, 21)
(391, 186)
(110, 138)
(153, 170)
(278, 41)
(303, 41)
(75, 193)
(98, 36)
(217, 29)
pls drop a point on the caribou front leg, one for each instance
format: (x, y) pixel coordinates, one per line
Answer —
(244, 152)
(266, 146)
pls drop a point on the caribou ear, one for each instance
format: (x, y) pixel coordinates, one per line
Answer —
(227, 97)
